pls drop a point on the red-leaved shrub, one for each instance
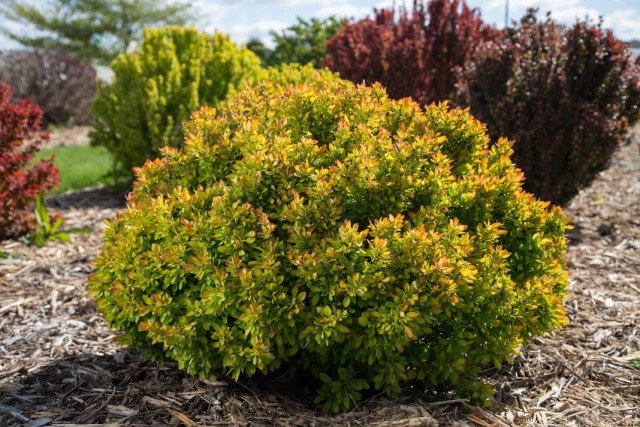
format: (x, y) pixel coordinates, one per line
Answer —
(20, 180)
(412, 53)
(566, 96)
(63, 85)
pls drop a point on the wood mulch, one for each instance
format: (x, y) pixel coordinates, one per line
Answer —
(60, 365)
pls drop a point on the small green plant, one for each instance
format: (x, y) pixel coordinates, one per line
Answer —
(326, 229)
(45, 229)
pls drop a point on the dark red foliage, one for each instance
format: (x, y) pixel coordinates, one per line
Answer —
(20, 180)
(566, 96)
(63, 85)
(413, 55)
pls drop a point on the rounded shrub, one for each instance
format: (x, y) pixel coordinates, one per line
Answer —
(327, 229)
(173, 72)
(63, 85)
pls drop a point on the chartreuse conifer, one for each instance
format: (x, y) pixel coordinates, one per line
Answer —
(173, 72)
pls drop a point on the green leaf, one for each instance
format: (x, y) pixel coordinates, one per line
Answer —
(39, 239)
(62, 237)
(325, 378)
(362, 320)
(42, 214)
(56, 225)
(79, 230)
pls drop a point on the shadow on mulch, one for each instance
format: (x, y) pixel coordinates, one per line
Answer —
(94, 197)
(126, 389)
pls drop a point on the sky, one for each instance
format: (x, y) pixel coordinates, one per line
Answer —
(244, 19)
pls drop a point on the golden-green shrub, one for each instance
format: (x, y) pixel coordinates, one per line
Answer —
(173, 72)
(327, 229)
(291, 74)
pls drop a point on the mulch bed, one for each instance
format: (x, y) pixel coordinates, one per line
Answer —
(60, 365)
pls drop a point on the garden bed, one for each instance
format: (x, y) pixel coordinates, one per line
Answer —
(59, 363)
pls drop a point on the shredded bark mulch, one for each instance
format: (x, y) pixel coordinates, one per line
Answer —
(60, 365)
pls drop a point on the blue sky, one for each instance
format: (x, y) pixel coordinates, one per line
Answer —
(243, 19)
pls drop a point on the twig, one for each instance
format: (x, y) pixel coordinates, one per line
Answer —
(447, 402)
(15, 303)
(10, 410)
(30, 266)
(19, 369)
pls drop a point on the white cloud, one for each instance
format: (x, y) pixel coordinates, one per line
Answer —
(7, 44)
(624, 23)
(542, 4)
(241, 33)
(571, 15)
(344, 10)
(211, 15)
(566, 11)
(238, 18)
(274, 3)
(12, 27)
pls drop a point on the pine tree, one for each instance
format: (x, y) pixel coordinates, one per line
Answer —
(97, 29)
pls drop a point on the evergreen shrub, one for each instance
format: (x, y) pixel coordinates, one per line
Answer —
(20, 180)
(326, 229)
(303, 43)
(173, 72)
(567, 96)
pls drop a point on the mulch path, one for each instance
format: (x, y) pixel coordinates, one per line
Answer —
(60, 365)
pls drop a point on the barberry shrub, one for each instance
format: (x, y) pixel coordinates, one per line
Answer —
(173, 72)
(63, 85)
(327, 229)
(413, 53)
(20, 180)
(566, 96)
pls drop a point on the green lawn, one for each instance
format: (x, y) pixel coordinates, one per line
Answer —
(80, 166)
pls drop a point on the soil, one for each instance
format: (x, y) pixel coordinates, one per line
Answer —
(60, 364)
